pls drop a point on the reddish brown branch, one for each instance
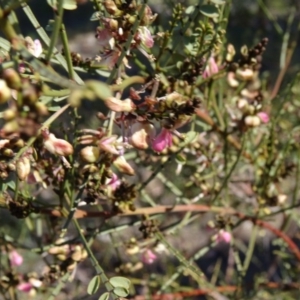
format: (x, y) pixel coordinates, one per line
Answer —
(160, 209)
(219, 289)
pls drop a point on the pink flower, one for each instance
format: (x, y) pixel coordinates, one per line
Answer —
(264, 117)
(114, 182)
(163, 140)
(211, 68)
(15, 258)
(148, 257)
(145, 36)
(223, 236)
(25, 287)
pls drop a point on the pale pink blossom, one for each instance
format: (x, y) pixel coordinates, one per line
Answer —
(145, 36)
(211, 68)
(105, 38)
(34, 47)
(15, 258)
(162, 140)
(108, 144)
(264, 117)
(223, 236)
(148, 257)
(56, 146)
(110, 58)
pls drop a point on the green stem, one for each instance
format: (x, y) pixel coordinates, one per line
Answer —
(67, 52)
(58, 21)
(94, 261)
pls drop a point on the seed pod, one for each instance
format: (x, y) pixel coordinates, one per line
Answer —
(123, 166)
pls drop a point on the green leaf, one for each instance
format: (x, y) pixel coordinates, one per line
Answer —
(104, 296)
(121, 282)
(68, 4)
(93, 285)
(218, 2)
(209, 11)
(190, 9)
(188, 138)
(100, 89)
(121, 292)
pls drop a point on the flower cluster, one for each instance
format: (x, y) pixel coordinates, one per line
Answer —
(116, 29)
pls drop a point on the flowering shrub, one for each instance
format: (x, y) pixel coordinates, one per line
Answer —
(189, 149)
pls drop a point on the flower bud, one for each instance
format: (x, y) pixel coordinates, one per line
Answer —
(246, 74)
(12, 79)
(56, 146)
(8, 152)
(23, 168)
(230, 52)
(281, 199)
(174, 97)
(252, 121)
(9, 114)
(11, 127)
(242, 104)
(112, 8)
(148, 16)
(249, 94)
(41, 109)
(5, 92)
(15, 258)
(118, 105)
(90, 154)
(264, 117)
(141, 135)
(231, 80)
(123, 166)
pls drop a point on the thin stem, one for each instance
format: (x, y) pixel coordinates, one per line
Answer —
(58, 21)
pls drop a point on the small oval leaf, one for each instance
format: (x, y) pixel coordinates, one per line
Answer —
(121, 292)
(189, 10)
(93, 285)
(218, 2)
(119, 281)
(104, 296)
(96, 16)
(209, 11)
(68, 4)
